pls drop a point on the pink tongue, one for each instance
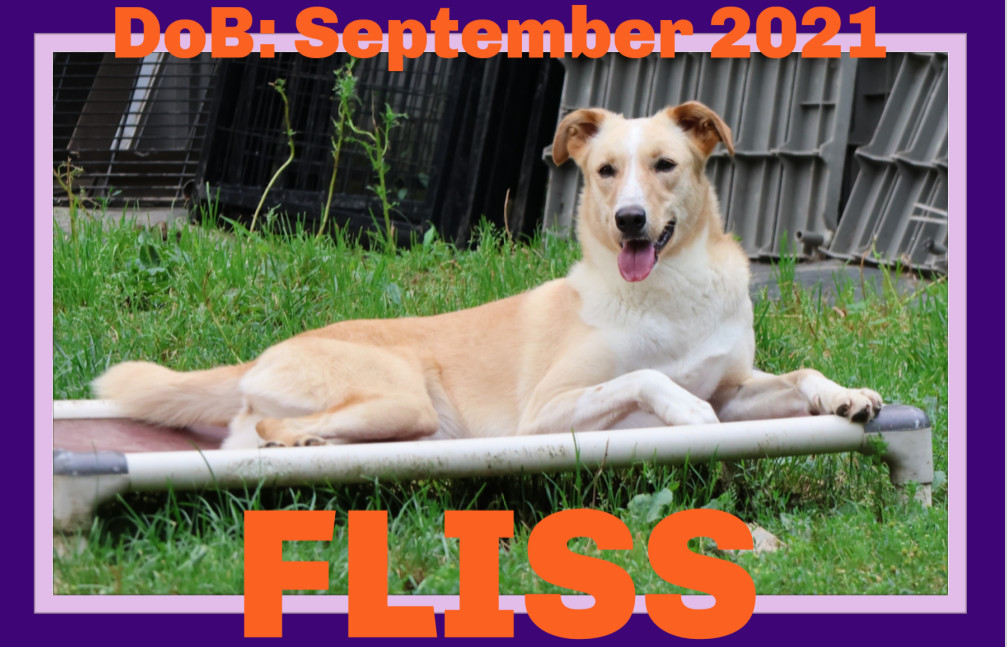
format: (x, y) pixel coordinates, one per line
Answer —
(636, 260)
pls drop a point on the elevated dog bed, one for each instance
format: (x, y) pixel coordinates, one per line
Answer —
(98, 454)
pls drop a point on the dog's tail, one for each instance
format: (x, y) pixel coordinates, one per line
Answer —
(152, 393)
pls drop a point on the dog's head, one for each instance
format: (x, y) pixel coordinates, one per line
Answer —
(645, 190)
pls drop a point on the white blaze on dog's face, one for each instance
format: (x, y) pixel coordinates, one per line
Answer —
(645, 188)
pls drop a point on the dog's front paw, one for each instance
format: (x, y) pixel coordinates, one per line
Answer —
(692, 412)
(306, 440)
(857, 405)
(309, 440)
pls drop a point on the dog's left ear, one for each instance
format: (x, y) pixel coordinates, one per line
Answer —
(702, 124)
(574, 132)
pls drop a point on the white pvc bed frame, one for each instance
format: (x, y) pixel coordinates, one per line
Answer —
(83, 480)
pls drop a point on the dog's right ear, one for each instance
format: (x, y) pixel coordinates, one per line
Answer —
(574, 132)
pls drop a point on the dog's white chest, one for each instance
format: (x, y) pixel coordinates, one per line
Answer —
(702, 366)
(695, 354)
(695, 335)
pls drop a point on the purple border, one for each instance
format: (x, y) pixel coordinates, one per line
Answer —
(311, 604)
(904, 17)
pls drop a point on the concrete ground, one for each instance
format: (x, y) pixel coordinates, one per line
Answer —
(824, 273)
(148, 217)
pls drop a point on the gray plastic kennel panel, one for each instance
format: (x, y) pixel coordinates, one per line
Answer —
(790, 119)
(898, 207)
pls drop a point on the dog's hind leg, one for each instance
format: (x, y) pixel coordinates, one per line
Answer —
(309, 390)
(380, 418)
(800, 393)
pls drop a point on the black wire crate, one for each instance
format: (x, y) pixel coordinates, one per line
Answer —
(247, 140)
(462, 126)
(129, 132)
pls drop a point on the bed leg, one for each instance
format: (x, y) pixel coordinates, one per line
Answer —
(908, 452)
(81, 482)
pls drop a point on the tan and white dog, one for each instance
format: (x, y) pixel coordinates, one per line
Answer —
(653, 327)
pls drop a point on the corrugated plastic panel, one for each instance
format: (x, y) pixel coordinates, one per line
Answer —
(898, 207)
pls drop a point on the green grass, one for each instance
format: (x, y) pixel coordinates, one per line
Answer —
(199, 297)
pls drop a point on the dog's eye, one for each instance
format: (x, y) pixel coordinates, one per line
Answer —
(606, 171)
(664, 165)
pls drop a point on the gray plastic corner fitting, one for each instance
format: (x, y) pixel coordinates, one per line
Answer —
(909, 454)
(82, 481)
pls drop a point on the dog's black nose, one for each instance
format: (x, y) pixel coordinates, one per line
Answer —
(631, 220)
